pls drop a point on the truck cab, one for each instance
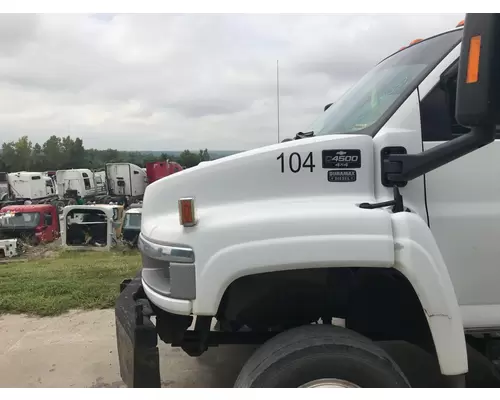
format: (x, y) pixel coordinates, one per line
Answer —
(383, 214)
(80, 180)
(95, 226)
(159, 169)
(126, 180)
(29, 186)
(38, 223)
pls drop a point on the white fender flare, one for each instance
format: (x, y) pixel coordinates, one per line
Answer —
(419, 259)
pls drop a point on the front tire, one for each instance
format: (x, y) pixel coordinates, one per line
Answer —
(320, 356)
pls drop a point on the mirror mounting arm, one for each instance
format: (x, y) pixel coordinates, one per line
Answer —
(399, 168)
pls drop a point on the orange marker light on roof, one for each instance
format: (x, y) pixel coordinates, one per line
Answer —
(415, 41)
(473, 60)
(461, 23)
(187, 215)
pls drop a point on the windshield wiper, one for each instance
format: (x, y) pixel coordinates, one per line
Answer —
(300, 135)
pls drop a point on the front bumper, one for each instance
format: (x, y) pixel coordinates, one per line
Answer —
(136, 337)
(168, 275)
(166, 303)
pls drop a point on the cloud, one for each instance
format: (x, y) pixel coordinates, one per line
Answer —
(186, 81)
(16, 31)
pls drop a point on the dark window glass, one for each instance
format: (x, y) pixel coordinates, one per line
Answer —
(86, 182)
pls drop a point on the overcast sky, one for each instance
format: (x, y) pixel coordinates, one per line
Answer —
(171, 82)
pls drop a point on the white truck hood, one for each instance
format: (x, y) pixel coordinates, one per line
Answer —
(269, 173)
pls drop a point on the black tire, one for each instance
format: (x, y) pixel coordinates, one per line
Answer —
(305, 354)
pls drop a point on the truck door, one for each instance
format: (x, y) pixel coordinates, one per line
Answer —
(463, 201)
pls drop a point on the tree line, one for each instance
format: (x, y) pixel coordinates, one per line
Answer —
(66, 153)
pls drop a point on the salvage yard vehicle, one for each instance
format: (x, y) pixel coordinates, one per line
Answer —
(385, 214)
(159, 169)
(131, 227)
(91, 226)
(33, 224)
(80, 182)
(125, 180)
(20, 187)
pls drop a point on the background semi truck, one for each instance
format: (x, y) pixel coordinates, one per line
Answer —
(385, 215)
(19, 187)
(85, 182)
(126, 180)
(160, 169)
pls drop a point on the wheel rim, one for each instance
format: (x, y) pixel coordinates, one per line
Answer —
(329, 383)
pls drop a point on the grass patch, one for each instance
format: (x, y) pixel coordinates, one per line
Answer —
(68, 280)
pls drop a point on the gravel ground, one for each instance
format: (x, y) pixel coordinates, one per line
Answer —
(78, 349)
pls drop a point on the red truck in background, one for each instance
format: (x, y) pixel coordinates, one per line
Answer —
(37, 223)
(160, 169)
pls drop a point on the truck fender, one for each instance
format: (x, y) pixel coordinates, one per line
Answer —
(299, 252)
(418, 258)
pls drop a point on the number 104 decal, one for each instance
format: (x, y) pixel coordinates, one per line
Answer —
(295, 162)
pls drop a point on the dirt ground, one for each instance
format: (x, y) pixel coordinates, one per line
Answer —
(78, 349)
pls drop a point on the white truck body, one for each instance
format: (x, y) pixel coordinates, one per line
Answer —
(82, 180)
(30, 185)
(385, 213)
(124, 179)
(292, 206)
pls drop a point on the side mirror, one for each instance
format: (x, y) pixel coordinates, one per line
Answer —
(327, 107)
(478, 85)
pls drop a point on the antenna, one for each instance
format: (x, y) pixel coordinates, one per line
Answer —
(278, 96)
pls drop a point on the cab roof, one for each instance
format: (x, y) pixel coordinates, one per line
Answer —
(414, 42)
(28, 208)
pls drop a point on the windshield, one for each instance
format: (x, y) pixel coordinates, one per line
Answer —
(133, 221)
(19, 219)
(385, 86)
